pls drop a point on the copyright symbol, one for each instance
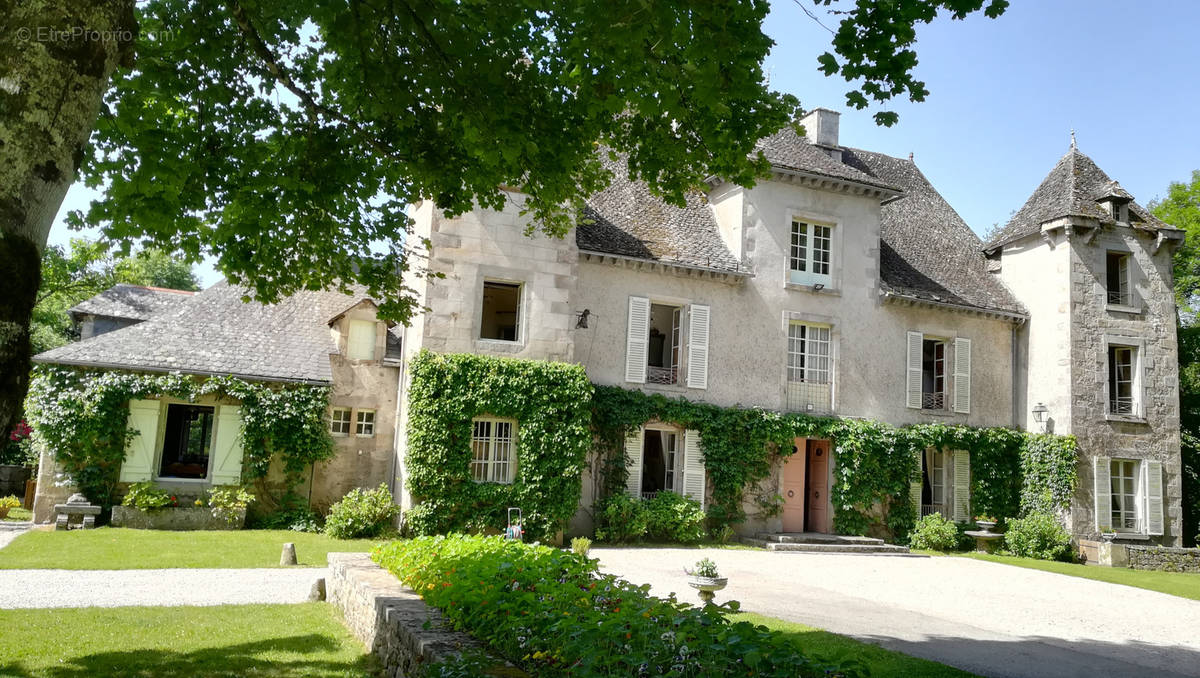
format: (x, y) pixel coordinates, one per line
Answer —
(23, 34)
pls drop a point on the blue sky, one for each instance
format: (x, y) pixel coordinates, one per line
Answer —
(1004, 95)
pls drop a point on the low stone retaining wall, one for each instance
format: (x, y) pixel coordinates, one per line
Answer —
(173, 519)
(1163, 558)
(390, 619)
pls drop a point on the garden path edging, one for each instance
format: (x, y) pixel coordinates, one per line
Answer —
(390, 618)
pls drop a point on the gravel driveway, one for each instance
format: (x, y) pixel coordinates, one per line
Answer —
(115, 588)
(986, 618)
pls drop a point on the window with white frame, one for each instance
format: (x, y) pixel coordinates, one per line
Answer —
(1123, 477)
(1117, 280)
(809, 368)
(1122, 378)
(665, 343)
(360, 340)
(364, 426)
(339, 422)
(493, 455)
(810, 256)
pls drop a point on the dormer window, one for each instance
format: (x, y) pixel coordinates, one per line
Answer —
(1119, 210)
(360, 340)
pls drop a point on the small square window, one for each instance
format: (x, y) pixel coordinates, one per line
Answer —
(501, 316)
(339, 422)
(365, 424)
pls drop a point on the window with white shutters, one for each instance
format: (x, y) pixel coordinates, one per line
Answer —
(493, 450)
(1123, 492)
(697, 346)
(962, 375)
(637, 340)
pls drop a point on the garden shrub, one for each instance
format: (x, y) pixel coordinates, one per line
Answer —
(581, 546)
(362, 513)
(1038, 535)
(147, 497)
(552, 613)
(228, 502)
(934, 532)
(294, 518)
(672, 517)
(622, 520)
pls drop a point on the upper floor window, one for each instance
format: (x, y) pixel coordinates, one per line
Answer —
(933, 374)
(360, 340)
(493, 456)
(655, 350)
(501, 316)
(365, 424)
(809, 368)
(929, 364)
(666, 339)
(339, 422)
(1122, 365)
(810, 254)
(1117, 282)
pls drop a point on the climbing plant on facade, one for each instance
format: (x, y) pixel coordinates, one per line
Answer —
(81, 416)
(550, 403)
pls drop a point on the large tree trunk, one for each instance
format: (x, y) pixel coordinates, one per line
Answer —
(56, 60)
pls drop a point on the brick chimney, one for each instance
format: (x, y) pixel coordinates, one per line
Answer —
(821, 127)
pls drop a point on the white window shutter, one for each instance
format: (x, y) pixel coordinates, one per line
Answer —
(140, 451)
(962, 375)
(1154, 497)
(697, 365)
(637, 340)
(915, 487)
(360, 340)
(962, 486)
(1103, 492)
(913, 382)
(227, 446)
(693, 467)
(633, 463)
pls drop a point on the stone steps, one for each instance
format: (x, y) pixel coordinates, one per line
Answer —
(8, 525)
(825, 543)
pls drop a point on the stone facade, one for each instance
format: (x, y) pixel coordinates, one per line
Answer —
(1163, 559)
(391, 620)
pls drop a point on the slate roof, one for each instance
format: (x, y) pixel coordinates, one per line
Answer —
(1072, 189)
(215, 332)
(132, 302)
(788, 150)
(927, 251)
(626, 219)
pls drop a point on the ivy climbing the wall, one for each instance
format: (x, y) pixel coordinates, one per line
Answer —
(82, 417)
(550, 403)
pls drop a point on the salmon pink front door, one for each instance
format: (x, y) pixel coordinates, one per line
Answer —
(817, 477)
(792, 487)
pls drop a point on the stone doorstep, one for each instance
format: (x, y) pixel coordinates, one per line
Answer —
(391, 620)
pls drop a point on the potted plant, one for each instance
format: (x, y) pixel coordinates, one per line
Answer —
(986, 523)
(706, 579)
(7, 504)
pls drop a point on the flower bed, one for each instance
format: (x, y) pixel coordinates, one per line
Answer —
(552, 613)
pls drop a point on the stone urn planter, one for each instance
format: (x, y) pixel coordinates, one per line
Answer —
(707, 587)
(200, 518)
(986, 525)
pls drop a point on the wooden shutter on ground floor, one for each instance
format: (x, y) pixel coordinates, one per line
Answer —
(227, 446)
(637, 340)
(962, 376)
(140, 450)
(633, 463)
(915, 487)
(913, 379)
(1103, 499)
(697, 345)
(962, 486)
(1154, 497)
(693, 467)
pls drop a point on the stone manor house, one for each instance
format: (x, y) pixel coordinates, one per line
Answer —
(842, 285)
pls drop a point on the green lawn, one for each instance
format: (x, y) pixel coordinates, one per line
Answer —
(109, 548)
(173, 642)
(879, 663)
(1182, 584)
(18, 515)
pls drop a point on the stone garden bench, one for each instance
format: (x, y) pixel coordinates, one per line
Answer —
(76, 507)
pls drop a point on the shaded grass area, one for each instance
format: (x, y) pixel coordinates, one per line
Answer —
(875, 661)
(1182, 584)
(18, 515)
(306, 640)
(109, 548)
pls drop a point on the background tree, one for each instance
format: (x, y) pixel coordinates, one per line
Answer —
(87, 268)
(286, 138)
(1181, 209)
